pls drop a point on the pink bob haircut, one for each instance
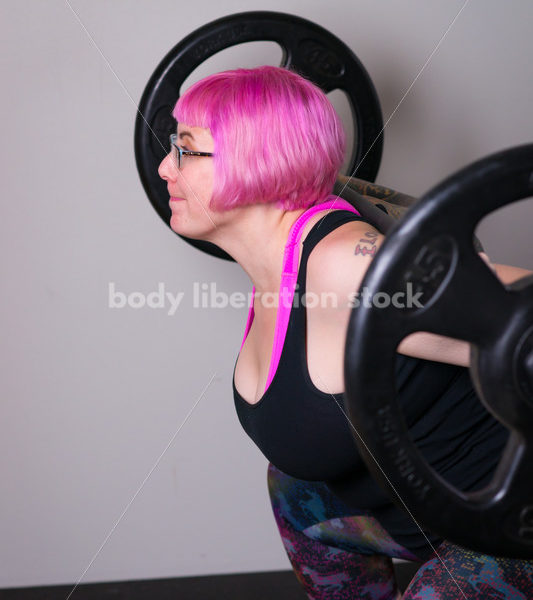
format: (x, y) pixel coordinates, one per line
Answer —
(277, 137)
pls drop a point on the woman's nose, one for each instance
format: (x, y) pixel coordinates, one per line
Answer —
(167, 170)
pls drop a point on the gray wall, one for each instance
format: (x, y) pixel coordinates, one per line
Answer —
(98, 480)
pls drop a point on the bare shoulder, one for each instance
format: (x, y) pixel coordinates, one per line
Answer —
(339, 261)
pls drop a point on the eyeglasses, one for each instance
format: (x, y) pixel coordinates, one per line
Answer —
(178, 153)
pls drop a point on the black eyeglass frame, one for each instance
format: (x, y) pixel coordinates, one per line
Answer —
(180, 152)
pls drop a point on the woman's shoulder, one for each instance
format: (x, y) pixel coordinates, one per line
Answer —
(339, 261)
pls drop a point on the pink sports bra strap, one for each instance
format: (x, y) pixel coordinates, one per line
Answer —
(289, 277)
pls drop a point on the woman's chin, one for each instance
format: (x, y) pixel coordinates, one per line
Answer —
(176, 224)
(189, 227)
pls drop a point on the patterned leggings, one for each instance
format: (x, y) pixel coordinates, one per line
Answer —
(338, 554)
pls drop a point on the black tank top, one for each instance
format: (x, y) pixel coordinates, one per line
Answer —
(304, 433)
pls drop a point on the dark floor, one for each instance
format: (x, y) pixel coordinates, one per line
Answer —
(277, 585)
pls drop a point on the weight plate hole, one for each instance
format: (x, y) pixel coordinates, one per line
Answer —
(340, 101)
(242, 56)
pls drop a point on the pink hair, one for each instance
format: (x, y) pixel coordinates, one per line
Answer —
(277, 136)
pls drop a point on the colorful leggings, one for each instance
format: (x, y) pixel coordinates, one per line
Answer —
(337, 553)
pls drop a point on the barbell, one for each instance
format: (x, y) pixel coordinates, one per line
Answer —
(433, 250)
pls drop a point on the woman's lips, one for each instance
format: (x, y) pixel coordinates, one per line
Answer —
(174, 200)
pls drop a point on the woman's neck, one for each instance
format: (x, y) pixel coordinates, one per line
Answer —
(255, 236)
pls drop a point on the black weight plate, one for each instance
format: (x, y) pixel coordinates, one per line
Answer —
(307, 48)
(432, 248)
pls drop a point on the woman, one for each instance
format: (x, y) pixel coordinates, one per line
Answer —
(251, 169)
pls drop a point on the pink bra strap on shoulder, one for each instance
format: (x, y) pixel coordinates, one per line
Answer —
(290, 274)
(288, 279)
(290, 258)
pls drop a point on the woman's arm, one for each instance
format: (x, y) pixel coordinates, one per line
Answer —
(350, 249)
(506, 273)
(443, 349)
